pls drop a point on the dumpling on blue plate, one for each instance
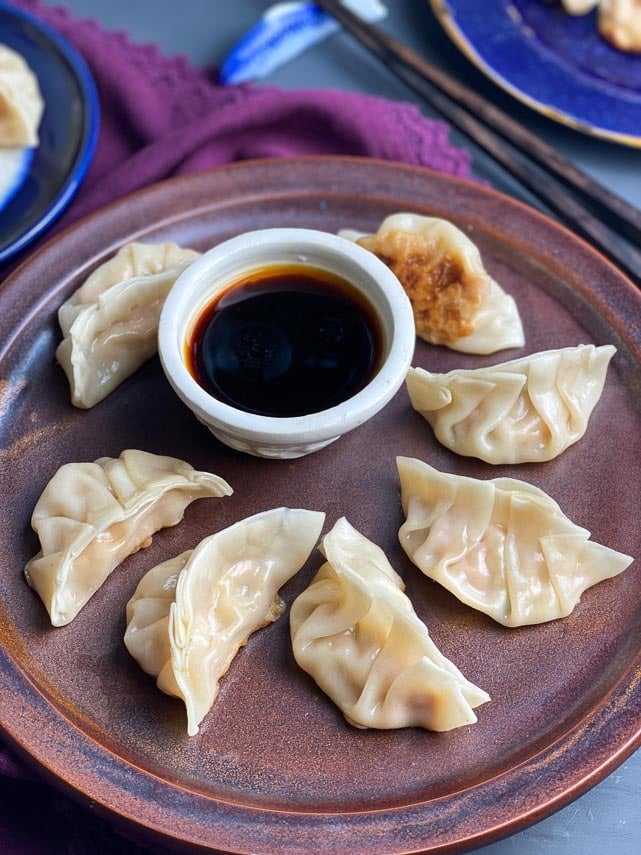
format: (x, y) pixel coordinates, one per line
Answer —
(21, 108)
(21, 103)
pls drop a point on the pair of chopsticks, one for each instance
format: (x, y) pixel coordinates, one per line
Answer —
(581, 203)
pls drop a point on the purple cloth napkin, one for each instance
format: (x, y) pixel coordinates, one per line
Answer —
(160, 117)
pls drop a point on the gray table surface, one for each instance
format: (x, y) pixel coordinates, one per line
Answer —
(607, 819)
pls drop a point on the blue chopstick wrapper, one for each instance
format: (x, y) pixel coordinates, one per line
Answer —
(283, 32)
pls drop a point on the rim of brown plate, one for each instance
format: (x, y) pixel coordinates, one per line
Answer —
(143, 803)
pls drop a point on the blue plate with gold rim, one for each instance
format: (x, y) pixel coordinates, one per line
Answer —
(555, 63)
(47, 178)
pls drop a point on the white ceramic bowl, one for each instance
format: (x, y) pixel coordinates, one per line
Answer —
(229, 262)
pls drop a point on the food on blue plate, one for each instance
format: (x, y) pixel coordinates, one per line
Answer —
(579, 7)
(529, 409)
(21, 108)
(356, 633)
(501, 546)
(91, 516)
(110, 323)
(455, 301)
(190, 615)
(21, 103)
(619, 21)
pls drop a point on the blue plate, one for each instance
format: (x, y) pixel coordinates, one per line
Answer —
(68, 131)
(554, 62)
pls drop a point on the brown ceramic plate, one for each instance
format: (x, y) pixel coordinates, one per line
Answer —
(275, 767)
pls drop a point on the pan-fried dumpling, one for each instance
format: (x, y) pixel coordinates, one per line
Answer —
(110, 324)
(530, 409)
(503, 547)
(21, 103)
(190, 615)
(356, 633)
(455, 302)
(91, 516)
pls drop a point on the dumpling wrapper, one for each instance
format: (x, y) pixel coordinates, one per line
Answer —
(619, 23)
(91, 516)
(455, 301)
(579, 7)
(21, 102)
(529, 409)
(110, 323)
(356, 633)
(501, 546)
(190, 615)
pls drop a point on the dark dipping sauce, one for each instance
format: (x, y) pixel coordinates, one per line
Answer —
(285, 341)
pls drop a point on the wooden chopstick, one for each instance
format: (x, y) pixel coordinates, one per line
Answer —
(601, 217)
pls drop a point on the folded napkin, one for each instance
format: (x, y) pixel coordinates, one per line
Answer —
(160, 117)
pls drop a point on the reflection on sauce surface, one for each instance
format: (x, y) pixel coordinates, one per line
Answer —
(285, 341)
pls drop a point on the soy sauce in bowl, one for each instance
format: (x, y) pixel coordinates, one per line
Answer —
(280, 341)
(285, 341)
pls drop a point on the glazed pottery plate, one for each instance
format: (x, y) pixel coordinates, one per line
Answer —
(275, 766)
(556, 63)
(68, 131)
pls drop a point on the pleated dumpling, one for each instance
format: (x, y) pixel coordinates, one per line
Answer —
(503, 546)
(91, 516)
(21, 103)
(110, 323)
(191, 614)
(356, 633)
(455, 301)
(529, 409)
